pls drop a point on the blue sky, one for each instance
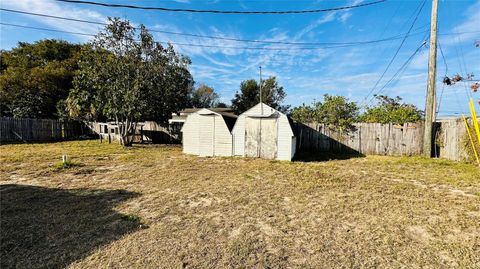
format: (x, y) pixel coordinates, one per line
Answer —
(305, 74)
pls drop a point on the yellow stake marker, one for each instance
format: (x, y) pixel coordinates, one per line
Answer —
(474, 119)
(471, 139)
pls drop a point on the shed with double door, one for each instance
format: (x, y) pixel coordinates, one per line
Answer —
(208, 133)
(264, 132)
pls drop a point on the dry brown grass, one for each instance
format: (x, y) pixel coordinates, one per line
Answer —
(153, 207)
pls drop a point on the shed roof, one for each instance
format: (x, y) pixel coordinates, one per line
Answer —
(214, 109)
(228, 117)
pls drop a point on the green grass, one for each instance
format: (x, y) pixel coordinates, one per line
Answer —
(153, 207)
(66, 164)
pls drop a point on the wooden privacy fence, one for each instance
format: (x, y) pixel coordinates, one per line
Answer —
(384, 139)
(40, 130)
(155, 133)
(146, 132)
(365, 138)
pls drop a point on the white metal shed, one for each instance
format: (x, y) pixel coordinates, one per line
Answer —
(208, 133)
(264, 132)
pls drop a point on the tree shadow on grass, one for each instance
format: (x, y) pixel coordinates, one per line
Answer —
(51, 228)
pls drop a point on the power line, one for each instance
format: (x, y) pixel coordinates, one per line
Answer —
(385, 28)
(221, 11)
(222, 38)
(228, 38)
(443, 57)
(186, 44)
(463, 73)
(44, 29)
(443, 84)
(396, 52)
(402, 69)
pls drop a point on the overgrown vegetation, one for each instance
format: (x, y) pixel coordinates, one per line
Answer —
(391, 110)
(337, 112)
(467, 143)
(152, 205)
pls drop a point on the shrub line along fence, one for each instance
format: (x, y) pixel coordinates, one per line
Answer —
(366, 138)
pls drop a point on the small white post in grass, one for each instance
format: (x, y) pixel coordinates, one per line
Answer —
(64, 158)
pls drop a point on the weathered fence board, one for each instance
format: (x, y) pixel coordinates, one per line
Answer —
(156, 133)
(40, 130)
(365, 138)
(148, 131)
(384, 139)
(451, 139)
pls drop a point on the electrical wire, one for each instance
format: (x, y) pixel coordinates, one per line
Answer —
(189, 44)
(402, 69)
(224, 38)
(385, 29)
(443, 57)
(463, 72)
(396, 52)
(221, 11)
(44, 29)
(439, 102)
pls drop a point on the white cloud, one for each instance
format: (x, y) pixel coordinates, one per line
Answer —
(311, 26)
(55, 9)
(469, 27)
(217, 62)
(420, 61)
(344, 17)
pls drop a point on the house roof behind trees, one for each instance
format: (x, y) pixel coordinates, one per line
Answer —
(181, 115)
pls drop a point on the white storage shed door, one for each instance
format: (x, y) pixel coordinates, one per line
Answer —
(207, 135)
(261, 136)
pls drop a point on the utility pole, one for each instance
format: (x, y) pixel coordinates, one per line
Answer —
(261, 105)
(432, 73)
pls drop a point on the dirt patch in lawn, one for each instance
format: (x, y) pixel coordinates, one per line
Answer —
(152, 206)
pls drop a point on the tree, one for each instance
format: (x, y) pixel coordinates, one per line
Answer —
(204, 96)
(35, 78)
(129, 77)
(249, 95)
(337, 112)
(221, 105)
(305, 113)
(391, 110)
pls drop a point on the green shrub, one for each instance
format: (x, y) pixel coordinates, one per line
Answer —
(391, 110)
(66, 164)
(336, 112)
